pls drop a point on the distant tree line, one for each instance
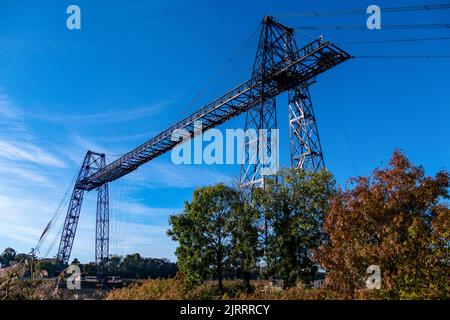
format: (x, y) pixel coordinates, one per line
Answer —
(397, 219)
(132, 266)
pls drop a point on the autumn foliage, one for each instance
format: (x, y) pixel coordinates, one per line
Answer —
(397, 219)
(175, 289)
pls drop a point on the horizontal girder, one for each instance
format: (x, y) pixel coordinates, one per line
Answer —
(300, 67)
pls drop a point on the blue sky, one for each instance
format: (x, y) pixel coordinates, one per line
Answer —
(136, 66)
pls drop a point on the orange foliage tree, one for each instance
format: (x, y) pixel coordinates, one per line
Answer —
(397, 219)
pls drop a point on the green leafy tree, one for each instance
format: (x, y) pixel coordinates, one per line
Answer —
(294, 208)
(76, 262)
(193, 261)
(49, 265)
(90, 269)
(132, 266)
(113, 265)
(244, 232)
(202, 232)
(8, 255)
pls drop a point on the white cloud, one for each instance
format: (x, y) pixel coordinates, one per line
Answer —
(16, 143)
(13, 171)
(109, 116)
(139, 209)
(26, 151)
(6, 107)
(151, 241)
(22, 217)
(33, 179)
(27, 194)
(166, 174)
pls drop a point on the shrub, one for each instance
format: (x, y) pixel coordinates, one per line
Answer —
(175, 289)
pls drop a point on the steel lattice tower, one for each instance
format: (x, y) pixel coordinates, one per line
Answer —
(93, 162)
(277, 43)
(264, 114)
(305, 147)
(102, 221)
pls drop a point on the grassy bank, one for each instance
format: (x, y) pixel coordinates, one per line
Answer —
(174, 289)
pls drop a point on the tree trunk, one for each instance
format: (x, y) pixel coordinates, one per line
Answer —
(247, 281)
(219, 272)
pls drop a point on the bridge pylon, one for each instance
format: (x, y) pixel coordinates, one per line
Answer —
(277, 44)
(92, 163)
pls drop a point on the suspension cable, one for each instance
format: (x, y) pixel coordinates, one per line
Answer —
(56, 214)
(385, 27)
(394, 40)
(404, 57)
(425, 7)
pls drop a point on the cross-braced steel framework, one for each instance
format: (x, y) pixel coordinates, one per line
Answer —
(93, 162)
(278, 68)
(102, 221)
(306, 151)
(277, 43)
(264, 115)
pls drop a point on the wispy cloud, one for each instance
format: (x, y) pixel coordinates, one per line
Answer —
(152, 241)
(140, 213)
(10, 117)
(138, 137)
(170, 175)
(25, 151)
(15, 141)
(26, 169)
(115, 115)
(79, 145)
(21, 217)
(28, 198)
(26, 174)
(6, 106)
(139, 209)
(35, 170)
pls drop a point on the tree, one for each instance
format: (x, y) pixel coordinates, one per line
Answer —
(193, 262)
(294, 208)
(132, 266)
(244, 233)
(8, 255)
(75, 262)
(48, 265)
(203, 234)
(90, 268)
(396, 219)
(113, 265)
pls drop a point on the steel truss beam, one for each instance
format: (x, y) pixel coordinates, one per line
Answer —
(310, 61)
